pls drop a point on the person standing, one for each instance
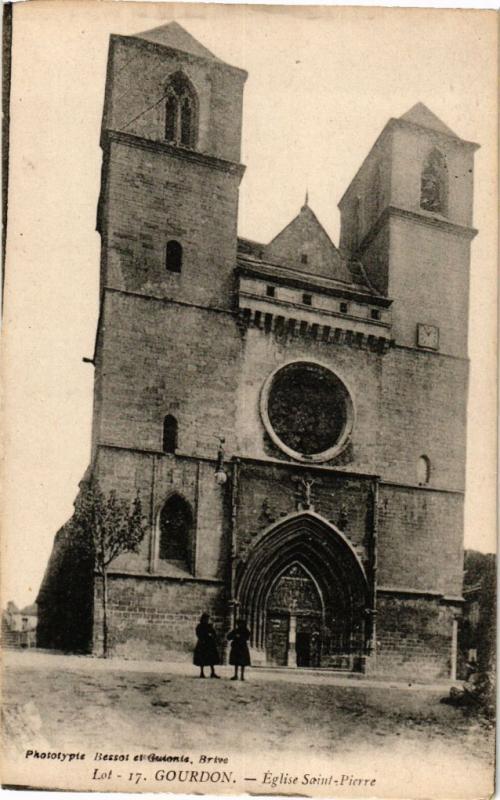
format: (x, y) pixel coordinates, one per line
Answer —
(240, 654)
(205, 652)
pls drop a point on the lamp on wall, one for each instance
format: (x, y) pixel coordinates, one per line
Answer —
(220, 472)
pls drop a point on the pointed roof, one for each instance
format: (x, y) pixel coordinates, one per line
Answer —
(419, 114)
(305, 245)
(176, 37)
(305, 225)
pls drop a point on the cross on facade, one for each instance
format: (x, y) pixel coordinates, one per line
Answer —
(304, 492)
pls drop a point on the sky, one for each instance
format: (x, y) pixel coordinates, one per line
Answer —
(322, 84)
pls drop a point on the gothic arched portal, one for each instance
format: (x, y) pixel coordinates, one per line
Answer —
(304, 593)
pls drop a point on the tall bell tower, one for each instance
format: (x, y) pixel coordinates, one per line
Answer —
(407, 215)
(167, 216)
(171, 134)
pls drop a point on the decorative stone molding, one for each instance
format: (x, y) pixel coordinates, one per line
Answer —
(183, 153)
(326, 454)
(291, 322)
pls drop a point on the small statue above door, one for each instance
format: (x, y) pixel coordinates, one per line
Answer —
(304, 492)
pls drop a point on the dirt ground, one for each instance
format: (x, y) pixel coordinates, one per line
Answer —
(117, 707)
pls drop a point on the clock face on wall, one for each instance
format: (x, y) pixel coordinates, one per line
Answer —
(428, 336)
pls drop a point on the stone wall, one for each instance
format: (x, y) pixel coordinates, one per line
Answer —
(400, 397)
(410, 148)
(156, 477)
(414, 637)
(211, 376)
(421, 411)
(419, 540)
(151, 617)
(162, 358)
(406, 403)
(429, 280)
(65, 598)
(152, 196)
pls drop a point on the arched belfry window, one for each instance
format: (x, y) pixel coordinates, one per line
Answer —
(174, 256)
(176, 522)
(434, 183)
(423, 470)
(169, 434)
(181, 112)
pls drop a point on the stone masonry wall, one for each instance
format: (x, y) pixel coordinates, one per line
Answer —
(162, 358)
(407, 404)
(157, 477)
(422, 411)
(360, 370)
(155, 618)
(414, 637)
(420, 540)
(153, 197)
(410, 149)
(429, 281)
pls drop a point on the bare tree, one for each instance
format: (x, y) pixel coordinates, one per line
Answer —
(107, 526)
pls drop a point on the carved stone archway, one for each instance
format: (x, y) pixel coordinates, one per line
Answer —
(304, 570)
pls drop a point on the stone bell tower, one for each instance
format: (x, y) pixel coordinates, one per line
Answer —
(167, 217)
(171, 135)
(164, 359)
(407, 215)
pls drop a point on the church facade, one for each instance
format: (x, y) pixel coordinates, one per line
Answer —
(292, 414)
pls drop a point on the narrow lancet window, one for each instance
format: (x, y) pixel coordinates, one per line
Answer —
(181, 112)
(169, 434)
(176, 522)
(174, 256)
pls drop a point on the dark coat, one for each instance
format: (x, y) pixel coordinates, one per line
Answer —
(205, 652)
(240, 654)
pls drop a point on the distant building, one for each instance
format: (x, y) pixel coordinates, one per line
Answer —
(19, 626)
(335, 377)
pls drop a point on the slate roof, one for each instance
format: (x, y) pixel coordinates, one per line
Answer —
(326, 267)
